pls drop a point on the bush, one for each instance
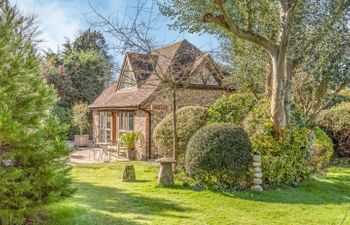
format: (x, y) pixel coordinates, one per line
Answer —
(283, 161)
(219, 153)
(343, 96)
(336, 122)
(231, 109)
(189, 120)
(321, 151)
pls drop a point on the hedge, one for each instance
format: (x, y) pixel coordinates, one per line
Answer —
(336, 122)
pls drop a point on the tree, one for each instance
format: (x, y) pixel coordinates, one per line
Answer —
(81, 71)
(271, 25)
(80, 112)
(91, 40)
(33, 150)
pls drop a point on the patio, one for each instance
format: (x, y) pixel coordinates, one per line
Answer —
(91, 155)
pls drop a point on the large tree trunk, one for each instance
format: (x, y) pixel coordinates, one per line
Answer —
(268, 79)
(278, 111)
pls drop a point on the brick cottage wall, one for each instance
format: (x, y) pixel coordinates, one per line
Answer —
(160, 104)
(141, 125)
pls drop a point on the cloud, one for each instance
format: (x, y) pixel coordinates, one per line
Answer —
(58, 19)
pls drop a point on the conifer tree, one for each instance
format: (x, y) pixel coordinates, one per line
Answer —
(33, 151)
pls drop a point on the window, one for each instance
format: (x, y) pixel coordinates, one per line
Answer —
(105, 126)
(126, 122)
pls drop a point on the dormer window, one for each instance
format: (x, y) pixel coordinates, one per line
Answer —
(128, 79)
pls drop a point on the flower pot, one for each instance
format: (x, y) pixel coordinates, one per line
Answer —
(81, 140)
(131, 154)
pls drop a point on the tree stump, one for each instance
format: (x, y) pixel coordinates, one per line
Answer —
(128, 174)
(165, 175)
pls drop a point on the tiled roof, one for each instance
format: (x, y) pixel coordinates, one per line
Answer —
(128, 98)
(148, 68)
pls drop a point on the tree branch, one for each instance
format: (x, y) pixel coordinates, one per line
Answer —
(226, 21)
(324, 106)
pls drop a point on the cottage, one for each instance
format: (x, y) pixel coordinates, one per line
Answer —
(140, 99)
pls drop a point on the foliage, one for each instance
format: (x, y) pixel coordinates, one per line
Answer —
(130, 139)
(81, 71)
(249, 65)
(65, 116)
(188, 120)
(219, 153)
(231, 109)
(80, 116)
(342, 96)
(336, 122)
(283, 161)
(321, 151)
(307, 35)
(33, 149)
(90, 40)
(81, 76)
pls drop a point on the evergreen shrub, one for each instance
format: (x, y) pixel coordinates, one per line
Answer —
(336, 122)
(219, 153)
(232, 108)
(189, 120)
(283, 161)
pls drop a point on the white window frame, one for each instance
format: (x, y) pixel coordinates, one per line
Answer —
(105, 127)
(124, 122)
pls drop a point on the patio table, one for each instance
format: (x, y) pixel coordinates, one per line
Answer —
(104, 149)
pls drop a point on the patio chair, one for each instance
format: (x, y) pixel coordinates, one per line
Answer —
(113, 149)
(94, 152)
(122, 150)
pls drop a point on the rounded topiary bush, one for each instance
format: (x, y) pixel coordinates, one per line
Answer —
(219, 153)
(189, 119)
(336, 122)
(321, 150)
(283, 161)
(232, 108)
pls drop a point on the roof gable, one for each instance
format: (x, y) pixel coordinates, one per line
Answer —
(140, 74)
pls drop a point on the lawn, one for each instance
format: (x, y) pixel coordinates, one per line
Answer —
(102, 198)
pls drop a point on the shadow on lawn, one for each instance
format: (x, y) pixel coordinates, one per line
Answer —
(72, 215)
(330, 190)
(114, 200)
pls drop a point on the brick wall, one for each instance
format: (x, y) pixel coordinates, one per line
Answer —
(186, 97)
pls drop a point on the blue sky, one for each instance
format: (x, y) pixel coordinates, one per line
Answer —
(64, 18)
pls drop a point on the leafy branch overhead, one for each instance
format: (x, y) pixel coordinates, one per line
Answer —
(289, 31)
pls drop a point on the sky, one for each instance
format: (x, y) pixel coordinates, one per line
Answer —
(60, 19)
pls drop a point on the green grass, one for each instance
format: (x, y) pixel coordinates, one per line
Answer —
(103, 199)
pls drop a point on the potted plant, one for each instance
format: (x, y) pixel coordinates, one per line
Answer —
(130, 139)
(80, 112)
